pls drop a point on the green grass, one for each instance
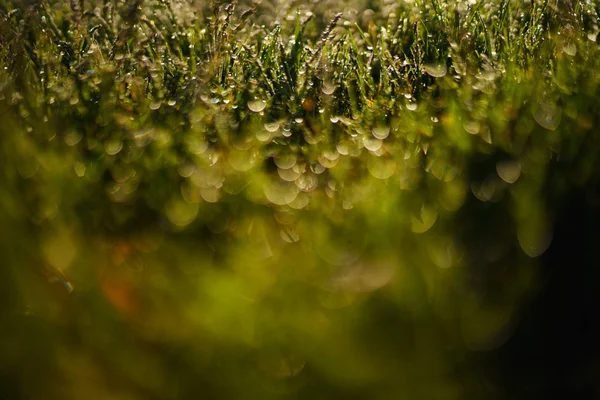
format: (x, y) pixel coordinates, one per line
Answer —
(279, 200)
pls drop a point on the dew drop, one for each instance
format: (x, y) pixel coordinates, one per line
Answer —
(113, 147)
(534, 239)
(342, 148)
(472, 127)
(196, 145)
(437, 70)
(263, 136)
(280, 193)
(144, 137)
(381, 168)
(272, 126)
(181, 213)
(547, 115)
(79, 169)
(288, 175)
(257, 105)
(285, 161)
(307, 182)
(372, 144)
(327, 162)
(508, 171)
(425, 220)
(242, 160)
(73, 137)
(570, 49)
(317, 168)
(210, 194)
(381, 132)
(328, 88)
(485, 190)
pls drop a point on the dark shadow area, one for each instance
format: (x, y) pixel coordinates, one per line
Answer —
(555, 350)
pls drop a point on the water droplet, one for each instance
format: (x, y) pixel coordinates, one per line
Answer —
(73, 137)
(484, 191)
(190, 192)
(272, 126)
(257, 105)
(472, 127)
(411, 106)
(285, 161)
(547, 115)
(186, 170)
(570, 49)
(508, 171)
(381, 131)
(121, 173)
(181, 213)
(210, 194)
(381, 168)
(263, 135)
(362, 278)
(372, 144)
(437, 70)
(342, 148)
(196, 145)
(331, 155)
(328, 88)
(334, 119)
(79, 169)
(307, 182)
(326, 162)
(288, 175)
(534, 238)
(443, 252)
(144, 137)
(317, 168)
(171, 103)
(242, 160)
(300, 201)
(155, 106)
(59, 250)
(279, 192)
(113, 146)
(425, 220)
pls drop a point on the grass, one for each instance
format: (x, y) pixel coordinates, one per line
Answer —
(267, 200)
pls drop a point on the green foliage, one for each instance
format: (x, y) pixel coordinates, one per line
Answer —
(277, 200)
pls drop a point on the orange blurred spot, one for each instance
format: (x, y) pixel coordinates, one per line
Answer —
(308, 104)
(121, 295)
